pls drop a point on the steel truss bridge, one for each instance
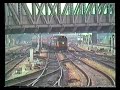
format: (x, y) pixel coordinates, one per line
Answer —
(49, 18)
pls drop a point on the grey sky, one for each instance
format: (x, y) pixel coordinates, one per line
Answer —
(62, 6)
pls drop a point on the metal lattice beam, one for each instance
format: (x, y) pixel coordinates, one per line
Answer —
(40, 8)
(20, 12)
(65, 9)
(71, 13)
(18, 16)
(34, 12)
(58, 9)
(102, 7)
(52, 8)
(46, 12)
(77, 8)
(14, 14)
(6, 14)
(27, 12)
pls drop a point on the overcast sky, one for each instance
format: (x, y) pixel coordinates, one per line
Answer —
(62, 6)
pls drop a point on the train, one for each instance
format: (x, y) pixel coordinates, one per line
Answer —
(53, 43)
(58, 43)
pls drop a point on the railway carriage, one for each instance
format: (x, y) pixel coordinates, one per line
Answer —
(53, 43)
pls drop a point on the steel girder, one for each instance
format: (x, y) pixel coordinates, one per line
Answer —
(40, 8)
(79, 16)
(79, 10)
(14, 13)
(6, 14)
(29, 16)
(52, 8)
(34, 12)
(20, 12)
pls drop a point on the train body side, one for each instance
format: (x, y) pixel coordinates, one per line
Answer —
(53, 43)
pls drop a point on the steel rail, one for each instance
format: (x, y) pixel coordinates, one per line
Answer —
(109, 77)
(89, 83)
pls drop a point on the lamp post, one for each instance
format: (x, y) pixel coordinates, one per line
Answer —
(110, 44)
(41, 40)
(38, 43)
(113, 39)
(78, 39)
(88, 41)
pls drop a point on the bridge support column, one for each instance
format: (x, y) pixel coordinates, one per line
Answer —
(94, 39)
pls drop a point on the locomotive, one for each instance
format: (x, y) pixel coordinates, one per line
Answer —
(58, 43)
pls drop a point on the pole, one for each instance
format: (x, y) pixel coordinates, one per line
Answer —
(41, 40)
(5, 40)
(113, 42)
(13, 41)
(110, 44)
(88, 41)
(31, 56)
(38, 43)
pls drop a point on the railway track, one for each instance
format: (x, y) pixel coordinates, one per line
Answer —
(98, 78)
(94, 57)
(85, 79)
(25, 80)
(106, 63)
(106, 58)
(22, 81)
(49, 77)
(11, 65)
(12, 56)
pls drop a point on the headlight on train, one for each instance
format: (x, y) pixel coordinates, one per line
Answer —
(62, 42)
